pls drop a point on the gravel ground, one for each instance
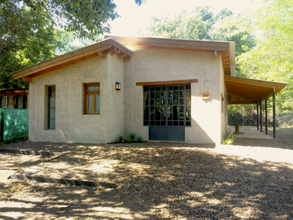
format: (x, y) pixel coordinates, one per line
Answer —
(155, 181)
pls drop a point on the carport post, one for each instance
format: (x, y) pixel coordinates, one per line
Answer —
(260, 118)
(274, 114)
(266, 118)
(257, 117)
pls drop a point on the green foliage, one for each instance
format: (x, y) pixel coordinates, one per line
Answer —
(34, 31)
(131, 137)
(119, 139)
(200, 23)
(193, 24)
(271, 59)
(126, 136)
(228, 138)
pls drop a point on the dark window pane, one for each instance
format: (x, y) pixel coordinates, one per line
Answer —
(146, 98)
(152, 88)
(188, 112)
(91, 88)
(163, 123)
(169, 88)
(158, 113)
(51, 124)
(181, 109)
(152, 95)
(170, 102)
(170, 123)
(51, 107)
(146, 89)
(152, 102)
(157, 89)
(188, 123)
(181, 101)
(181, 87)
(157, 123)
(175, 97)
(146, 123)
(163, 94)
(163, 88)
(175, 113)
(175, 88)
(188, 97)
(187, 86)
(52, 102)
(181, 123)
(146, 113)
(170, 112)
(152, 123)
(175, 123)
(52, 113)
(90, 103)
(157, 95)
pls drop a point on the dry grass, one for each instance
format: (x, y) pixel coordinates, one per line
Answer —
(155, 181)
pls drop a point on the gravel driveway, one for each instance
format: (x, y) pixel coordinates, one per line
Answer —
(155, 181)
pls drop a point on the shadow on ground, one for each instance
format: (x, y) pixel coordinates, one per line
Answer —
(154, 181)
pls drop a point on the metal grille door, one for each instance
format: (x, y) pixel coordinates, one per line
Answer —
(167, 111)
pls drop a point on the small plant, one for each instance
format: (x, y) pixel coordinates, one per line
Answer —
(228, 138)
(119, 139)
(126, 136)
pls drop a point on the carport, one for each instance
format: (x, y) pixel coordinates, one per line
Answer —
(252, 91)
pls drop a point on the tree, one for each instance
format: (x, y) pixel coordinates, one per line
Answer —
(200, 23)
(193, 24)
(31, 30)
(271, 59)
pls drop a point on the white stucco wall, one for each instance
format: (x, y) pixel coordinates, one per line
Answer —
(71, 124)
(149, 64)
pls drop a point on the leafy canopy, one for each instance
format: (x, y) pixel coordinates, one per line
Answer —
(201, 24)
(272, 58)
(36, 30)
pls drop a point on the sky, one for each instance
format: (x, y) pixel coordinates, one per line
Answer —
(134, 17)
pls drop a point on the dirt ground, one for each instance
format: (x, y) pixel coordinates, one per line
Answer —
(155, 181)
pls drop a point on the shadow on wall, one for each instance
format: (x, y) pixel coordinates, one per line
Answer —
(159, 182)
(197, 135)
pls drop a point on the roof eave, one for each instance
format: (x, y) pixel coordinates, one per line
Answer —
(97, 49)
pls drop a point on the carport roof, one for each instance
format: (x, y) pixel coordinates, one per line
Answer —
(250, 91)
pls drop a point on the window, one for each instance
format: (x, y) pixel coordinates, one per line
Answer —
(92, 98)
(18, 102)
(4, 102)
(51, 107)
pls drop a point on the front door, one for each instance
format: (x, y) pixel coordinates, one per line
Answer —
(167, 111)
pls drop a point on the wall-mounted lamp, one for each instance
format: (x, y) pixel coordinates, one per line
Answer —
(118, 86)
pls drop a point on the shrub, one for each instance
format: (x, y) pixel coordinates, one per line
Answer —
(228, 138)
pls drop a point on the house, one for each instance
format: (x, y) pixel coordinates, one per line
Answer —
(14, 98)
(161, 89)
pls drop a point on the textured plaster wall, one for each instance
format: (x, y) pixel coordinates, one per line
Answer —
(224, 112)
(71, 124)
(115, 110)
(162, 65)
